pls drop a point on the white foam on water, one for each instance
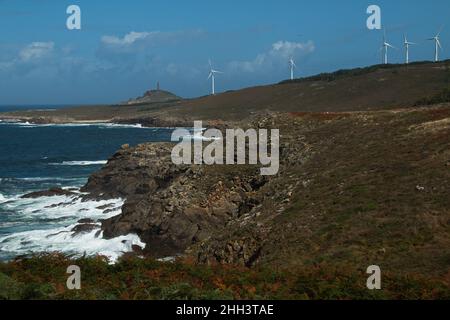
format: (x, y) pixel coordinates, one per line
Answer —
(117, 125)
(41, 179)
(105, 125)
(69, 207)
(80, 163)
(63, 240)
(61, 214)
(7, 198)
(3, 198)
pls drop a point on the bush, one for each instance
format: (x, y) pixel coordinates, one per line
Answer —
(44, 277)
(441, 97)
(9, 288)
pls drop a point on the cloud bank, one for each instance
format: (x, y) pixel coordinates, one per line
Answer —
(124, 65)
(278, 55)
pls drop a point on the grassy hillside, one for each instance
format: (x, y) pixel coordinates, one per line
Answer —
(357, 188)
(372, 88)
(45, 278)
(354, 189)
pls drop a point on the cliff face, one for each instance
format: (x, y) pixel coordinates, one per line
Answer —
(359, 188)
(172, 207)
(190, 209)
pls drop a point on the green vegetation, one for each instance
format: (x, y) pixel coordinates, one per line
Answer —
(441, 97)
(44, 277)
(343, 73)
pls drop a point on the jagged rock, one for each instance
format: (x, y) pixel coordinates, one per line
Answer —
(83, 228)
(170, 207)
(86, 221)
(48, 193)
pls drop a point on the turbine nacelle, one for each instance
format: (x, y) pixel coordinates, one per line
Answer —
(292, 66)
(385, 44)
(212, 76)
(438, 44)
(407, 44)
(292, 63)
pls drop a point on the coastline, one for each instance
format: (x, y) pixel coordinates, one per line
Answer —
(232, 215)
(347, 177)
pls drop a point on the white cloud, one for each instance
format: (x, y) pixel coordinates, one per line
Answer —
(279, 53)
(172, 69)
(135, 39)
(35, 51)
(288, 49)
(128, 39)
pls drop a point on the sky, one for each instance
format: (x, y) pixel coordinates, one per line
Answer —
(125, 47)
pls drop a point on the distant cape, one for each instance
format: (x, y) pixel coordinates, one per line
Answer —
(153, 96)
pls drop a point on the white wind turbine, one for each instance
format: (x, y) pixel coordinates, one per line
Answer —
(212, 76)
(292, 67)
(437, 44)
(407, 44)
(385, 47)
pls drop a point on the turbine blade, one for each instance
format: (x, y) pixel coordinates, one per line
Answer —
(390, 46)
(440, 30)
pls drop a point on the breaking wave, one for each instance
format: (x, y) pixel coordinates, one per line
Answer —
(54, 220)
(105, 125)
(80, 163)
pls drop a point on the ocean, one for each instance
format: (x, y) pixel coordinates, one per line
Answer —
(39, 157)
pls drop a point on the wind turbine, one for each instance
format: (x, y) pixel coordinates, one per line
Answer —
(212, 76)
(407, 44)
(292, 67)
(385, 47)
(437, 44)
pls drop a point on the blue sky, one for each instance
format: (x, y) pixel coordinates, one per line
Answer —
(125, 47)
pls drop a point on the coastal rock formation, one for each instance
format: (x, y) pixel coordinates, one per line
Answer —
(154, 96)
(194, 210)
(172, 207)
(48, 193)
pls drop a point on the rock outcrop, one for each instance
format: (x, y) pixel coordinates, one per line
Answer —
(172, 207)
(212, 213)
(154, 96)
(48, 193)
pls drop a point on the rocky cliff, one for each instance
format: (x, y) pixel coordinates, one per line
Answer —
(189, 208)
(365, 187)
(173, 207)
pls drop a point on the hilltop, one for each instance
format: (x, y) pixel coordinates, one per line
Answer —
(379, 87)
(154, 96)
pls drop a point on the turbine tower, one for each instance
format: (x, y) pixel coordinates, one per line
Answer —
(407, 44)
(385, 47)
(212, 76)
(437, 43)
(292, 66)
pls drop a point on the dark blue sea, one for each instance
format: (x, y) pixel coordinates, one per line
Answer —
(38, 157)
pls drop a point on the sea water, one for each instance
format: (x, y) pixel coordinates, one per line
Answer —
(39, 157)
